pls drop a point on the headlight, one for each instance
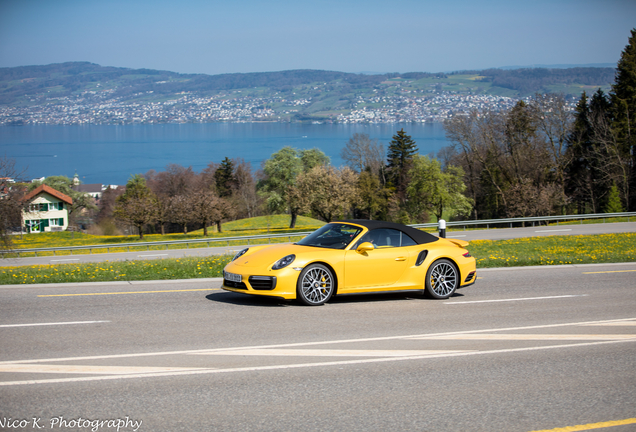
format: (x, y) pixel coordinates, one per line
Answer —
(283, 262)
(239, 253)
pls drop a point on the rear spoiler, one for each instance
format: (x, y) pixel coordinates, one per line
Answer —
(460, 243)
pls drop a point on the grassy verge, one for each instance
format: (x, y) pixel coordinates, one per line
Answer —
(551, 250)
(274, 224)
(162, 269)
(555, 250)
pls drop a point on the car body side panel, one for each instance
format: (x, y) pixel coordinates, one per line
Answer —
(378, 267)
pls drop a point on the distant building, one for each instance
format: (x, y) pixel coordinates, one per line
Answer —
(5, 185)
(94, 189)
(46, 210)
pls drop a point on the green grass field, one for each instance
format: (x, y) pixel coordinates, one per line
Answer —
(277, 224)
(552, 250)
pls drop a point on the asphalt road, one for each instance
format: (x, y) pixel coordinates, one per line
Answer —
(523, 349)
(487, 234)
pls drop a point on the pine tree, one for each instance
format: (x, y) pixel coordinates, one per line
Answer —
(613, 204)
(623, 98)
(401, 152)
(224, 178)
(584, 183)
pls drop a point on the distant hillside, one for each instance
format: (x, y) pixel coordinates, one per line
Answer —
(66, 78)
(81, 92)
(562, 66)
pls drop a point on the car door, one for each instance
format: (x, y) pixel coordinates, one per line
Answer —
(380, 267)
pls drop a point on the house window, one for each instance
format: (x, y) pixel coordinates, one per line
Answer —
(56, 222)
(41, 207)
(36, 225)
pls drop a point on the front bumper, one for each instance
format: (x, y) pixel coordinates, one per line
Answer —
(282, 285)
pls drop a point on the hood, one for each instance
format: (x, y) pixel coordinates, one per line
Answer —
(266, 256)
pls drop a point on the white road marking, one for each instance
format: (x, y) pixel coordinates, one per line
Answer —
(148, 256)
(304, 344)
(515, 299)
(96, 370)
(327, 353)
(51, 324)
(455, 236)
(531, 337)
(68, 259)
(109, 373)
(555, 230)
(618, 323)
(301, 365)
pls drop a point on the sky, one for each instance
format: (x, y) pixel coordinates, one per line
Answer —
(359, 36)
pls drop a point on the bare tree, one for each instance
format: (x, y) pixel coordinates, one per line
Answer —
(205, 208)
(10, 201)
(137, 205)
(223, 210)
(525, 199)
(613, 163)
(363, 153)
(554, 120)
(175, 180)
(245, 195)
(181, 211)
(163, 212)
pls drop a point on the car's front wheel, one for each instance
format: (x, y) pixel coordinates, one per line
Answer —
(442, 279)
(315, 285)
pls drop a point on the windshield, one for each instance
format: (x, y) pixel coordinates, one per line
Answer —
(331, 236)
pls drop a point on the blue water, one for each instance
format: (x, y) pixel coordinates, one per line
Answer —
(109, 154)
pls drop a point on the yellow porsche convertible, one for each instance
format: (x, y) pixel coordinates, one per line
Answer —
(353, 257)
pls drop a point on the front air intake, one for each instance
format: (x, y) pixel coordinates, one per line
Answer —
(263, 283)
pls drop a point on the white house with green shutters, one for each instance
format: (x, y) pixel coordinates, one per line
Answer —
(46, 210)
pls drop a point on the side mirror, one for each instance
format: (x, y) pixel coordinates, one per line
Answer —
(365, 247)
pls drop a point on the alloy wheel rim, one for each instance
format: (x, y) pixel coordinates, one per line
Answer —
(317, 285)
(443, 279)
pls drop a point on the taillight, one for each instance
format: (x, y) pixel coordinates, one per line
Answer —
(467, 255)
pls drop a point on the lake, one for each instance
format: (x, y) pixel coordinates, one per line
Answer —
(109, 154)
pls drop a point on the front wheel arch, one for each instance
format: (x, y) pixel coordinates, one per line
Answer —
(333, 272)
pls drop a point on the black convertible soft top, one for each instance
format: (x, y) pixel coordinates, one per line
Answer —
(420, 237)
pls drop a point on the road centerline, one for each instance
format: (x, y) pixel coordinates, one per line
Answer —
(128, 292)
(52, 324)
(517, 299)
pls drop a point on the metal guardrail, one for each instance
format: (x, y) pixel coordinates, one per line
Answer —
(534, 219)
(487, 222)
(157, 243)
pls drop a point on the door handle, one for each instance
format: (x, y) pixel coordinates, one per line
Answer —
(400, 259)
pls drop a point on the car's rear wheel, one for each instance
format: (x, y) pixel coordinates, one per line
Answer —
(442, 279)
(315, 285)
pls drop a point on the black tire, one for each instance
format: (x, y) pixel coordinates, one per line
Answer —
(316, 285)
(442, 279)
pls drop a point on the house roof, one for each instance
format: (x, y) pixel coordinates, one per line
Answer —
(88, 188)
(49, 190)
